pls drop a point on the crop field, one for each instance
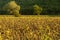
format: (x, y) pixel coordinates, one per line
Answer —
(30, 28)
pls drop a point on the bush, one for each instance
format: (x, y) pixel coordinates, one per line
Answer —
(12, 8)
(37, 9)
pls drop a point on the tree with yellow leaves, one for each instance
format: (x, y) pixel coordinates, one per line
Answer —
(12, 8)
(37, 9)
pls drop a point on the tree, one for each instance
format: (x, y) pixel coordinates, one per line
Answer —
(37, 9)
(12, 8)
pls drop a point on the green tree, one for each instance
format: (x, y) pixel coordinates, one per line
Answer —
(12, 8)
(37, 9)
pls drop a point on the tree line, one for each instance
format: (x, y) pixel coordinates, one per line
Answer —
(28, 9)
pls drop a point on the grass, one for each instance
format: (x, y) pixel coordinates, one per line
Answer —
(30, 28)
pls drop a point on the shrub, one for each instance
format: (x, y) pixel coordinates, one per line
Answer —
(12, 8)
(37, 9)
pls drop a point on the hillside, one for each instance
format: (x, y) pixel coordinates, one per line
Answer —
(30, 28)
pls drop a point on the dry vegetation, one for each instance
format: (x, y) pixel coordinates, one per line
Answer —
(30, 28)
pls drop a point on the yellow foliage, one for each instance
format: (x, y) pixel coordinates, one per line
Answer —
(37, 9)
(12, 8)
(0, 26)
(12, 5)
(48, 38)
(0, 38)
